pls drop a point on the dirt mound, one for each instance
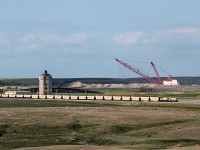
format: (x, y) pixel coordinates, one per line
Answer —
(132, 85)
(76, 84)
(64, 82)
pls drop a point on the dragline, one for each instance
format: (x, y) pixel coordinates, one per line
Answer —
(169, 81)
(138, 72)
(157, 74)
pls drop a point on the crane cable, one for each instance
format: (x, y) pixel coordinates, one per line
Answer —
(121, 70)
(126, 81)
(149, 74)
(162, 69)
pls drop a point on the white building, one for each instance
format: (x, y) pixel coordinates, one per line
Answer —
(172, 82)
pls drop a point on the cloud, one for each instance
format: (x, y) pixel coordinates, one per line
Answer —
(129, 38)
(74, 39)
(188, 37)
(3, 40)
(36, 41)
(184, 35)
(185, 30)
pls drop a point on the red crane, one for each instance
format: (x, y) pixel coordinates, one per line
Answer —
(157, 74)
(138, 72)
(170, 78)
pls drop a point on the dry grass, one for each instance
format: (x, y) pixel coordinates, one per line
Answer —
(92, 115)
(124, 126)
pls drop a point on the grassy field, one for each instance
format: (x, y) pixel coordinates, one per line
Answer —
(131, 125)
(134, 92)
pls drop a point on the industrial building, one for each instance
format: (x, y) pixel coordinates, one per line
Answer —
(45, 83)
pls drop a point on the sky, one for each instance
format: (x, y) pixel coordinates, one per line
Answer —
(82, 38)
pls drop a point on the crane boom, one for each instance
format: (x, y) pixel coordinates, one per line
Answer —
(138, 72)
(157, 74)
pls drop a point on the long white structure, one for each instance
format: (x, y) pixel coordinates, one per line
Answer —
(83, 97)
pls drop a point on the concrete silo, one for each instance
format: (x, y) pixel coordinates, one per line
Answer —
(45, 83)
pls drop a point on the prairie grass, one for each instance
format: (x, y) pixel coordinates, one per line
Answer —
(28, 123)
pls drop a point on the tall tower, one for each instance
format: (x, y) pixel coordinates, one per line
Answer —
(45, 83)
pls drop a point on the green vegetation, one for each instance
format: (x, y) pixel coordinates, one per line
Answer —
(184, 95)
(54, 103)
(169, 106)
(126, 128)
(136, 92)
(49, 103)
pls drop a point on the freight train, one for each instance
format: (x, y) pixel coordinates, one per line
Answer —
(84, 97)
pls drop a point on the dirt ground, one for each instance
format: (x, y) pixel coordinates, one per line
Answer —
(72, 147)
(79, 147)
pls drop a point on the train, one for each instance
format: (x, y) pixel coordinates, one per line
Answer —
(89, 97)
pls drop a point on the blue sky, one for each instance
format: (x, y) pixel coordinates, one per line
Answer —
(81, 38)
